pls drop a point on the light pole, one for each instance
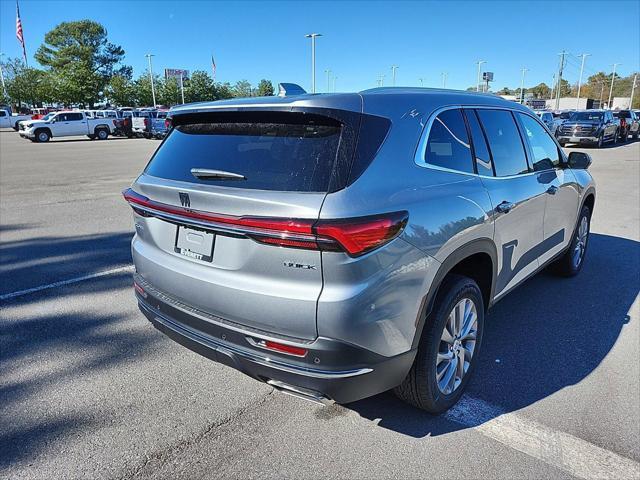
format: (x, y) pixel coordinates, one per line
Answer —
(524, 71)
(633, 90)
(153, 88)
(613, 77)
(479, 63)
(182, 88)
(334, 83)
(584, 55)
(393, 75)
(382, 75)
(4, 88)
(444, 79)
(421, 82)
(328, 72)
(313, 36)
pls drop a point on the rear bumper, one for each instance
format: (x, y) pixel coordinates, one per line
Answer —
(331, 369)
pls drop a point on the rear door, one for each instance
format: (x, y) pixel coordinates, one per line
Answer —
(517, 195)
(254, 169)
(562, 197)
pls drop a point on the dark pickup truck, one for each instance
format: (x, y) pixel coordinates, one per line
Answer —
(595, 127)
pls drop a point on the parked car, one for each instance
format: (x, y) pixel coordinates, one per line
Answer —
(7, 120)
(65, 124)
(629, 124)
(140, 123)
(338, 246)
(159, 125)
(549, 120)
(595, 127)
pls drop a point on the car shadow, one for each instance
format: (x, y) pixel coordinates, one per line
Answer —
(548, 334)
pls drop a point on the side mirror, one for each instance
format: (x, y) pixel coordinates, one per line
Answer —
(579, 160)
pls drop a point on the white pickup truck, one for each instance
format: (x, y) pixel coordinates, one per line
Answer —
(7, 120)
(68, 124)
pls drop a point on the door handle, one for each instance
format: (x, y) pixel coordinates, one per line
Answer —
(505, 207)
(552, 190)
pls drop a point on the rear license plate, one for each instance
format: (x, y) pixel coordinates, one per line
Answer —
(194, 243)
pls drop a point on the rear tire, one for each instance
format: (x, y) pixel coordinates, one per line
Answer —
(16, 127)
(447, 354)
(571, 262)
(102, 134)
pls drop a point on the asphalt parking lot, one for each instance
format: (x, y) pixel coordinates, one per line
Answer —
(88, 389)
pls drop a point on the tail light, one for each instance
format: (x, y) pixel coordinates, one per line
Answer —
(355, 236)
(146, 122)
(167, 123)
(115, 124)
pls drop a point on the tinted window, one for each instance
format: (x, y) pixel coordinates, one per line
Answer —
(483, 158)
(448, 144)
(504, 141)
(285, 151)
(586, 116)
(543, 149)
(3, 113)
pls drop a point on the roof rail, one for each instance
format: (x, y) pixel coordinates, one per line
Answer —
(289, 89)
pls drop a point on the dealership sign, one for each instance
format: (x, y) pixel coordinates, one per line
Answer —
(175, 73)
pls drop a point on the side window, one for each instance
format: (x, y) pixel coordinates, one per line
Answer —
(448, 145)
(62, 117)
(3, 113)
(483, 158)
(504, 142)
(543, 149)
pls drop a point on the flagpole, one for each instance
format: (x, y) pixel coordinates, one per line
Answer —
(20, 34)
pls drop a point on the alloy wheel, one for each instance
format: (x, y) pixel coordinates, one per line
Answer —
(581, 242)
(457, 345)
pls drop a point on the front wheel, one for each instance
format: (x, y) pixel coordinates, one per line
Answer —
(601, 140)
(102, 134)
(448, 349)
(42, 136)
(571, 261)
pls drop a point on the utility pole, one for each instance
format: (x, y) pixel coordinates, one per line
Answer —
(182, 88)
(524, 70)
(584, 55)
(444, 79)
(153, 88)
(560, 69)
(393, 75)
(601, 93)
(613, 77)
(633, 90)
(328, 72)
(479, 63)
(313, 36)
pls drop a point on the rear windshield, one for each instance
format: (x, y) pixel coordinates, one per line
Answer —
(622, 114)
(276, 151)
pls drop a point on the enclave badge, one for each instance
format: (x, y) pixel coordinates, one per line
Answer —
(304, 266)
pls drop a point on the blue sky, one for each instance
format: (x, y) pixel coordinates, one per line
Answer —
(362, 39)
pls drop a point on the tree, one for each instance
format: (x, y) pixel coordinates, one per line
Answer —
(120, 91)
(142, 88)
(541, 90)
(27, 85)
(565, 88)
(81, 55)
(242, 89)
(199, 88)
(224, 90)
(168, 92)
(505, 91)
(265, 88)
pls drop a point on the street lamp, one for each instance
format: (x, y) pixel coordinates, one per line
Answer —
(479, 63)
(421, 80)
(313, 36)
(328, 72)
(153, 89)
(524, 70)
(444, 79)
(613, 77)
(393, 75)
(4, 88)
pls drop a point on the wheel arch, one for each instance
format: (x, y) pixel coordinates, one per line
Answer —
(46, 129)
(477, 260)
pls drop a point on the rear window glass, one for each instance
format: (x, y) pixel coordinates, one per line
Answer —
(448, 145)
(283, 152)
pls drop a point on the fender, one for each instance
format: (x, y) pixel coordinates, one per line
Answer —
(481, 245)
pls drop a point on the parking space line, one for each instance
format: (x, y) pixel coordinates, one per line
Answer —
(558, 449)
(104, 273)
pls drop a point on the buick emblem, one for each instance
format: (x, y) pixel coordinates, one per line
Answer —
(184, 199)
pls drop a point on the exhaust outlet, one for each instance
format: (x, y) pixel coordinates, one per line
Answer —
(300, 392)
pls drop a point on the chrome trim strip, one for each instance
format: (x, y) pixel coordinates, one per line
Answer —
(209, 342)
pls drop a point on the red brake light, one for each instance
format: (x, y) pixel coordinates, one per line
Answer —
(355, 236)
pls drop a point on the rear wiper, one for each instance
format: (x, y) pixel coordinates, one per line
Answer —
(205, 173)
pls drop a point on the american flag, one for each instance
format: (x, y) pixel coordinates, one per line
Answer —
(213, 67)
(19, 33)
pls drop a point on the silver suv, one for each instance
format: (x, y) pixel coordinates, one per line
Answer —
(338, 246)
